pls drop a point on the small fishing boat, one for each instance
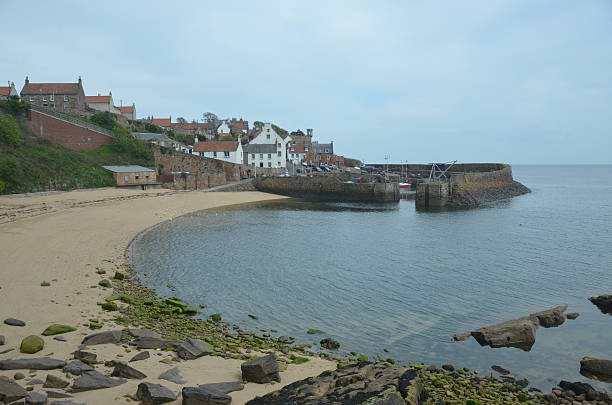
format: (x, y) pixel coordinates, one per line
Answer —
(404, 185)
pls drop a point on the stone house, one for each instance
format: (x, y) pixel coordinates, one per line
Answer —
(7, 91)
(128, 112)
(102, 103)
(227, 151)
(68, 97)
(268, 148)
(130, 176)
(297, 153)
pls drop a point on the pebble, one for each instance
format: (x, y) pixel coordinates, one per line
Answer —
(14, 322)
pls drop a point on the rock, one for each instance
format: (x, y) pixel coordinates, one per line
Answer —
(448, 367)
(519, 333)
(572, 315)
(172, 375)
(224, 387)
(6, 351)
(36, 398)
(57, 329)
(140, 356)
(462, 337)
(113, 336)
(10, 391)
(261, 370)
(105, 283)
(125, 371)
(500, 369)
(14, 322)
(55, 382)
(19, 376)
(85, 357)
(203, 396)
(94, 380)
(2, 340)
(119, 275)
(35, 381)
(59, 338)
(191, 349)
(550, 318)
(154, 343)
(54, 394)
(603, 302)
(77, 367)
(32, 344)
(154, 394)
(330, 344)
(284, 339)
(585, 389)
(42, 363)
(598, 369)
(148, 333)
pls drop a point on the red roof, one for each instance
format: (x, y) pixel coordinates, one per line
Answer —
(50, 88)
(299, 148)
(128, 108)
(5, 91)
(219, 146)
(162, 122)
(185, 125)
(98, 99)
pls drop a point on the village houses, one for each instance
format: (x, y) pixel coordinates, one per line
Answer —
(67, 97)
(227, 151)
(268, 149)
(7, 91)
(102, 103)
(128, 111)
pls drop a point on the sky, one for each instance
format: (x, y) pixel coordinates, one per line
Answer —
(516, 81)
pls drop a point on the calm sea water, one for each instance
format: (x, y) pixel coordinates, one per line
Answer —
(378, 277)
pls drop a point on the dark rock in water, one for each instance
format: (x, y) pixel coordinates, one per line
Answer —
(172, 375)
(261, 370)
(448, 367)
(330, 344)
(224, 387)
(14, 322)
(462, 337)
(603, 302)
(284, 339)
(41, 363)
(550, 318)
(140, 356)
(154, 394)
(598, 369)
(55, 382)
(125, 371)
(154, 343)
(203, 396)
(519, 333)
(77, 367)
(500, 369)
(94, 380)
(522, 383)
(84, 356)
(113, 336)
(580, 388)
(572, 315)
(147, 333)
(10, 391)
(356, 384)
(193, 348)
(36, 398)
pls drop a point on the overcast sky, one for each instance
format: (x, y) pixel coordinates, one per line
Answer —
(518, 81)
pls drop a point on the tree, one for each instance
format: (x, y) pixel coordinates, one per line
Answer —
(210, 117)
(181, 120)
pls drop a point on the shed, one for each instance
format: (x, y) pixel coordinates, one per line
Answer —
(133, 176)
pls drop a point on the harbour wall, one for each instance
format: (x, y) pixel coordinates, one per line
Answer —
(328, 188)
(469, 185)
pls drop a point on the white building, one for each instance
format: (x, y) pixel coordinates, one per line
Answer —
(224, 129)
(102, 103)
(268, 149)
(297, 154)
(228, 151)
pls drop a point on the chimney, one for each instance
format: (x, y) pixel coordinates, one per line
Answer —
(309, 132)
(27, 80)
(80, 81)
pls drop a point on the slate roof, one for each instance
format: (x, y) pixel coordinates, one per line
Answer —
(321, 147)
(128, 169)
(50, 88)
(261, 148)
(220, 146)
(149, 136)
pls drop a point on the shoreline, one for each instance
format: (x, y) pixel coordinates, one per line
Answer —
(62, 238)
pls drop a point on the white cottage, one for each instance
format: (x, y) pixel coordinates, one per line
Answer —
(268, 149)
(228, 151)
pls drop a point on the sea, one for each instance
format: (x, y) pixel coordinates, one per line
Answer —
(391, 281)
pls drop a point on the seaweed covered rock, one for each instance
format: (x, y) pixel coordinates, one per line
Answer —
(32, 344)
(57, 329)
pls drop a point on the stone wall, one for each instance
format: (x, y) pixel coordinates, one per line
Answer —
(328, 188)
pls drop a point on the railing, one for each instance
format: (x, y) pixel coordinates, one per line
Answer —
(71, 119)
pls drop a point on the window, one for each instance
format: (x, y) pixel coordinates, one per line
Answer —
(201, 153)
(65, 106)
(225, 154)
(214, 154)
(252, 156)
(269, 156)
(44, 98)
(279, 154)
(147, 176)
(261, 155)
(261, 164)
(269, 164)
(267, 136)
(126, 177)
(278, 164)
(65, 97)
(31, 99)
(137, 177)
(52, 97)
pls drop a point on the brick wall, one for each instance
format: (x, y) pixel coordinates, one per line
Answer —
(68, 134)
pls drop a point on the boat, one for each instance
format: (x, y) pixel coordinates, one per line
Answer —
(404, 185)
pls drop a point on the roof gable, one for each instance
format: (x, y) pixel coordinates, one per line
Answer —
(219, 146)
(51, 88)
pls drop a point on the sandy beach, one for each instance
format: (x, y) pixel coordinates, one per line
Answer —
(62, 238)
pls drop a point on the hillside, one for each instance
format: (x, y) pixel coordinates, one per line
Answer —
(29, 163)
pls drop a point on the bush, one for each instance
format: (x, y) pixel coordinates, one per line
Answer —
(14, 106)
(105, 120)
(10, 134)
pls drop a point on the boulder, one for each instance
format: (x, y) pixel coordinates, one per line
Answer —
(10, 391)
(113, 336)
(330, 344)
(41, 363)
(550, 318)
(172, 375)
(519, 333)
(125, 371)
(14, 322)
(580, 388)
(36, 398)
(55, 382)
(598, 369)
(84, 356)
(603, 302)
(500, 369)
(203, 396)
(57, 329)
(224, 387)
(193, 348)
(94, 380)
(572, 315)
(77, 367)
(145, 333)
(261, 370)
(140, 356)
(32, 344)
(154, 394)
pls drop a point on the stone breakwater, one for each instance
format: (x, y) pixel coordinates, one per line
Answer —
(477, 184)
(328, 188)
